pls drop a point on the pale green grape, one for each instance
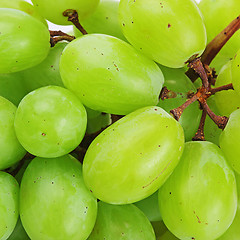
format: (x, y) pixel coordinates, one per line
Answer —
(54, 202)
(236, 73)
(226, 101)
(53, 10)
(50, 122)
(167, 31)
(133, 157)
(150, 207)
(167, 236)
(47, 72)
(19, 232)
(199, 200)
(10, 149)
(103, 20)
(109, 75)
(229, 140)
(12, 87)
(24, 40)
(9, 194)
(181, 86)
(217, 14)
(23, 6)
(121, 222)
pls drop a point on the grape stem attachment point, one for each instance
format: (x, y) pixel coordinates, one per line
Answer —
(73, 17)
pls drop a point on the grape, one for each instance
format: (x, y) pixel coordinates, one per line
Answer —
(236, 73)
(109, 75)
(233, 99)
(9, 193)
(229, 140)
(47, 72)
(54, 202)
(23, 6)
(53, 10)
(12, 87)
(133, 157)
(19, 233)
(10, 148)
(24, 41)
(150, 207)
(124, 222)
(177, 81)
(159, 228)
(217, 15)
(50, 122)
(199, 200)
(167, 31)
(103, 20)
(167, 236)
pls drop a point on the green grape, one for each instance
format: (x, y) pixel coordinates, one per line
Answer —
(167, 236)
(24, 41)
(54, 202)
(167, 31)
(19, 232)
(199, 200)
(236, 73)
(226, 101)
(109, 75)
(229, 140)
(21, 171)
(103, 20)
(133, 157)
(50, 122)
(233, 231)
(9, 193)
(92, 113)
(100, 122)
(217, 14)
(181, 86)
(159, 228)
(150, 207)
(23, 6)
(12, 87)
(47, 72)
(211, 130)
(121, 222)
(10, 148)
(53, 10)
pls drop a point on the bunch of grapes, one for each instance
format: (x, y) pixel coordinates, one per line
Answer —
(127, 128)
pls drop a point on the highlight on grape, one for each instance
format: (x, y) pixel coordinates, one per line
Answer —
(126, 126)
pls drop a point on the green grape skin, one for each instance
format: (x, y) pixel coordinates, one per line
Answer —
(217, 15)
(149, 206)
(181, 85)
(9, 194)
(226, 101)
(23, 6)
(50, 122)
(156, 27)
(10, 148)
(109, 75)
(229, 140)
(47, 72)
(167, 236)
(24, 41)
(236, 73)
(199, 200)
(159, 228)
(68, 212)
(122, 222)
(19, 233)
(12, 87)
(104, 20)
(53, 10)
(120, 173)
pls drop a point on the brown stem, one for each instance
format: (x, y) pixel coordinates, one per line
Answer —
(177, 112)
(73, 17)
(57, 33)
(199, 136)
(166, 94)
(197, 66)
(55, 40)
(224, 87)
(221, 121)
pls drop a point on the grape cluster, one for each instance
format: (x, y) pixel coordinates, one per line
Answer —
(128, 128)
